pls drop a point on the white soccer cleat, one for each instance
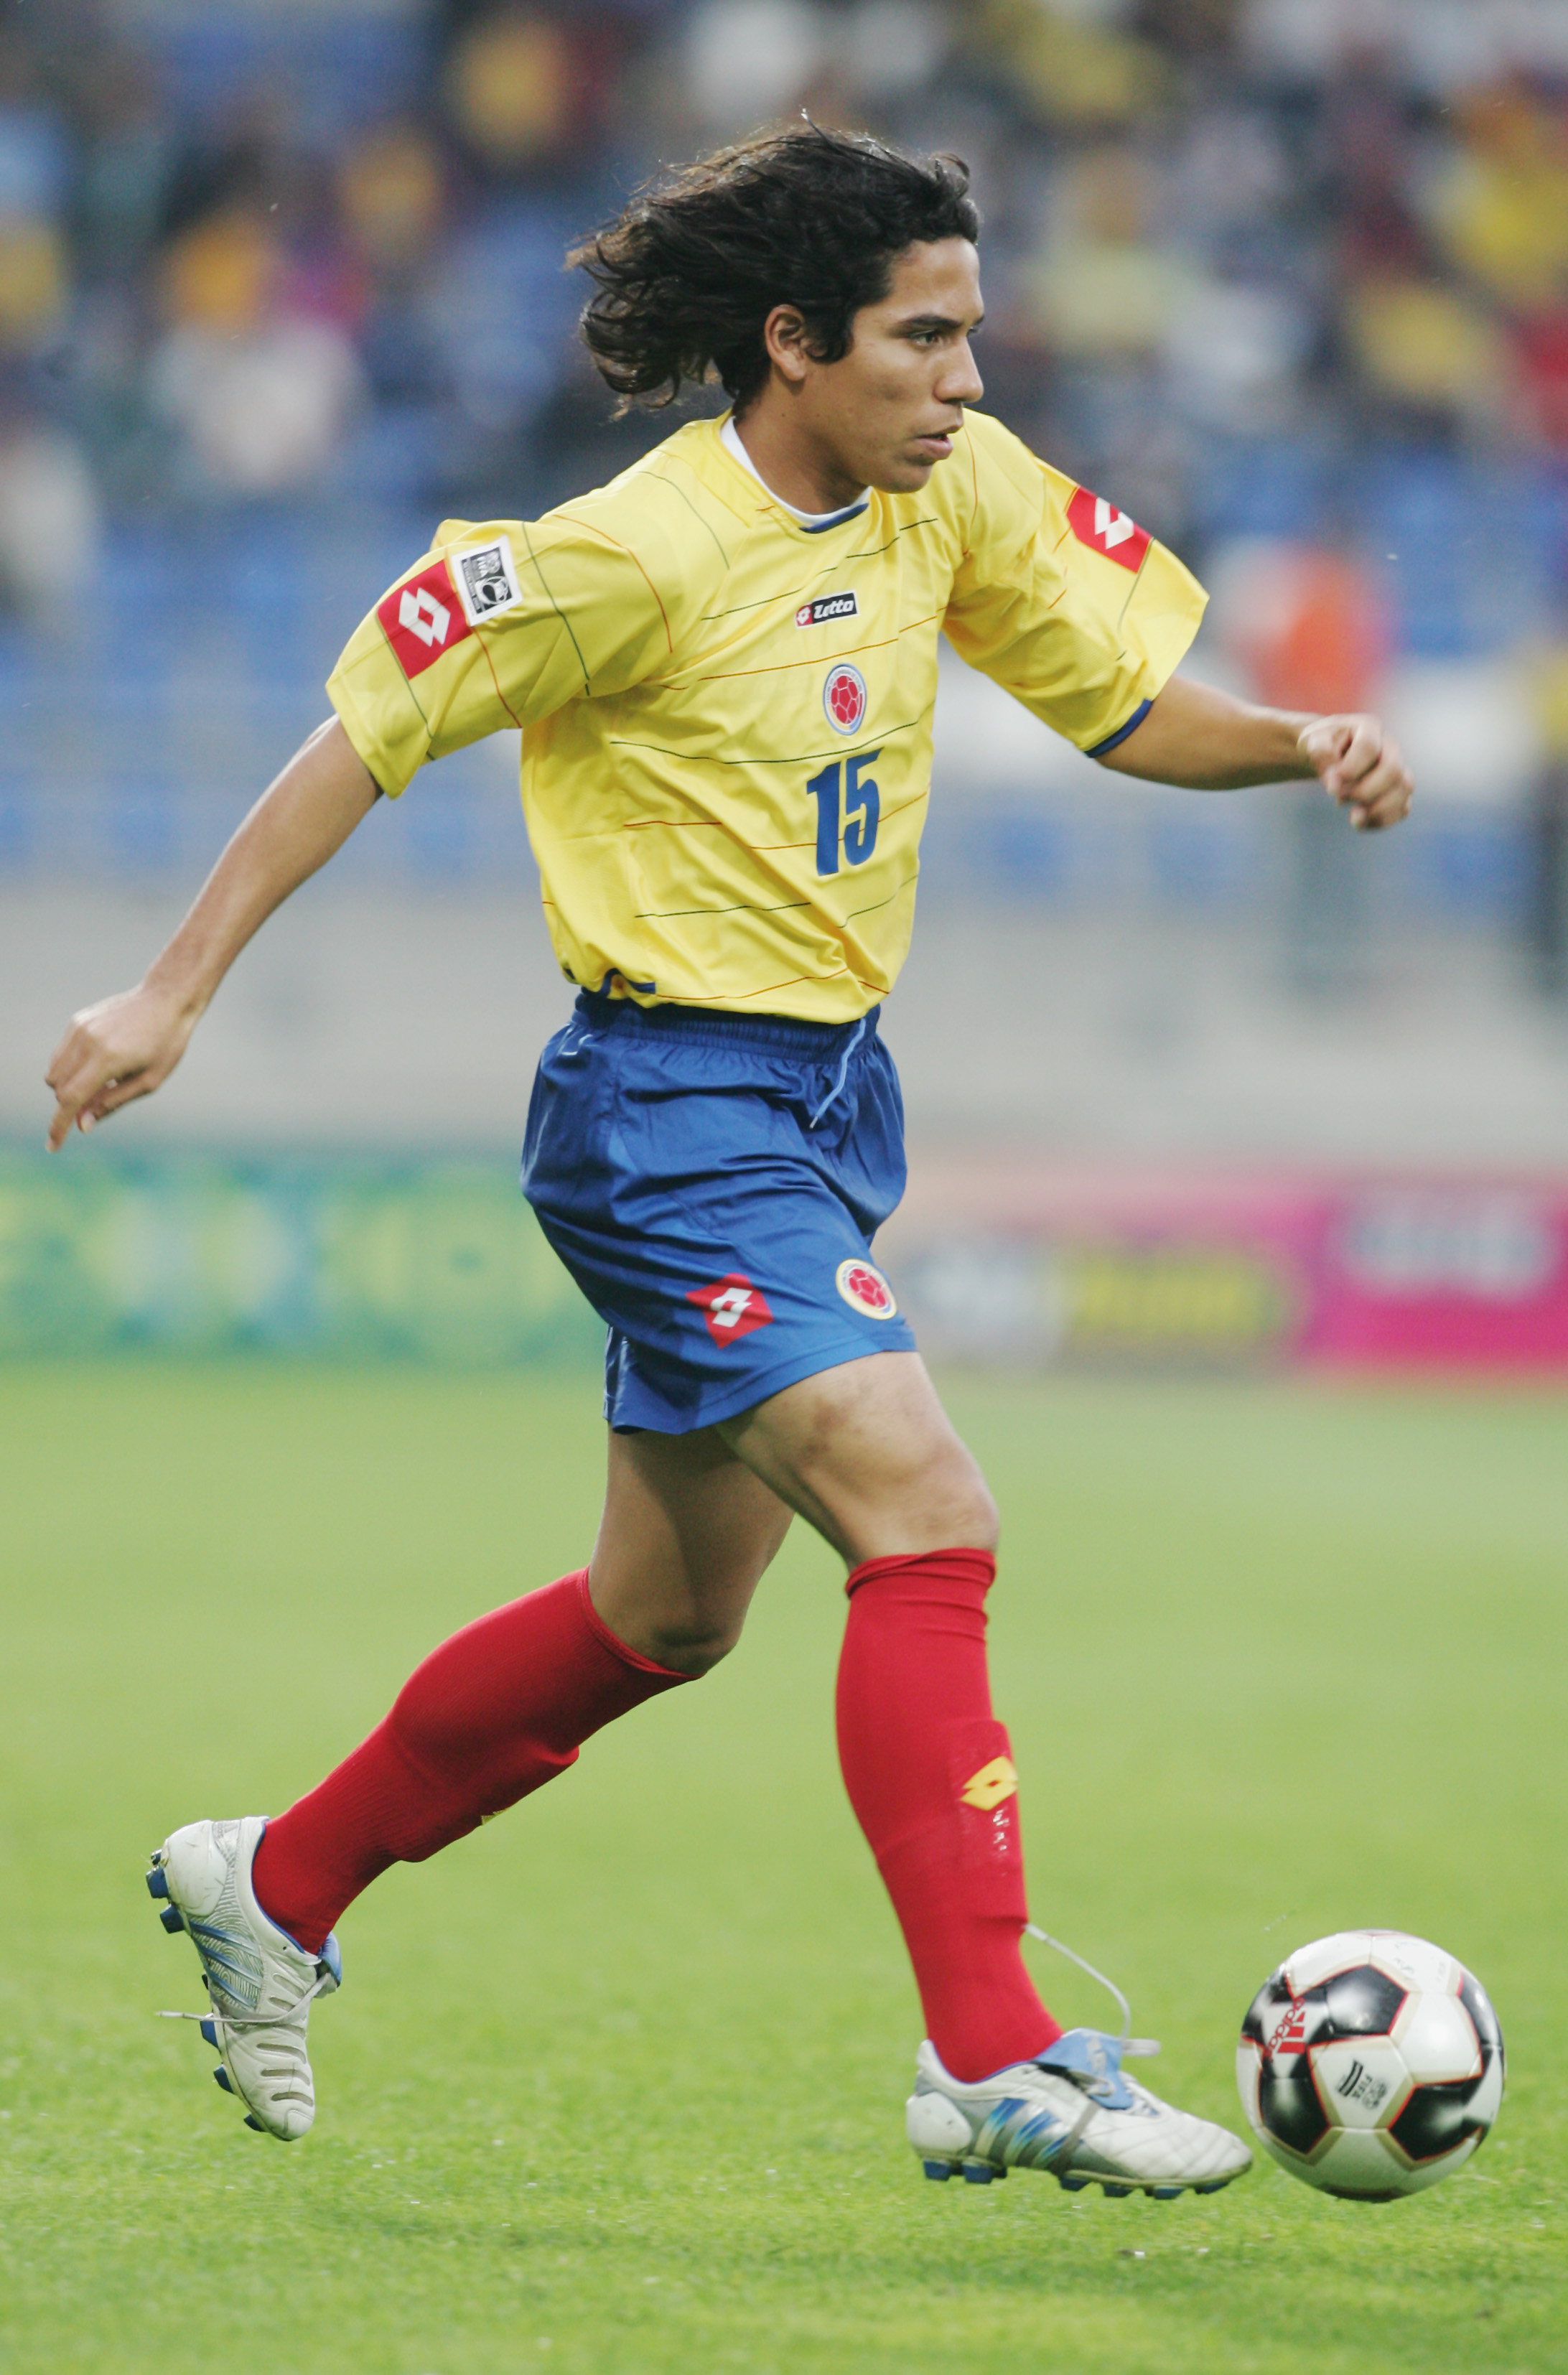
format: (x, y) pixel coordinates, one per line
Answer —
(1072, 2113)
(259, 1983)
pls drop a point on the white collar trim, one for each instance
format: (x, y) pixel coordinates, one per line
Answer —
(730, 436)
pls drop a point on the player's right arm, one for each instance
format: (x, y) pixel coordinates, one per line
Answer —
(127, 1046)
(497, 625)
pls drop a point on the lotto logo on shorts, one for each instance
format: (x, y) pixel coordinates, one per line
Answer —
(1100, 525)
(864, 1290)
(732, 1307)
(423, 618)
(843, 698)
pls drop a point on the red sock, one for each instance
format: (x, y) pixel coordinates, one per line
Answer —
(929, 1776)
(496, 1711)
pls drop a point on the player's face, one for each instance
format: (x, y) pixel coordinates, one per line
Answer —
(893, 406)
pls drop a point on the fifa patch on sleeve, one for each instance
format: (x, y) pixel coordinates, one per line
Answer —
(487, 578)
(1105, 530)
(423, 618)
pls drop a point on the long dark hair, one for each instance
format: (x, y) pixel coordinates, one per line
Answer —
(688, 273)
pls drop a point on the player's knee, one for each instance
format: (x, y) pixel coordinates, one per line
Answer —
(986, 1520)
(691, 1651)
(976, 1514)
(952, 1502)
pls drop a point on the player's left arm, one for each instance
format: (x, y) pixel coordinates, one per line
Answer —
(1208, 742)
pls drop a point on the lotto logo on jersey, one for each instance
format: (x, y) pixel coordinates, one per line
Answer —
(1096, 523)
(826, 606)
(864, 1290)
(732, 1307)
(423, 618)
(843, 697)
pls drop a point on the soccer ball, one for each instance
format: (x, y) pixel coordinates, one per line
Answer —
(1370, 2065)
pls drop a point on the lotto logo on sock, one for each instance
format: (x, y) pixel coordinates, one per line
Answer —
(864, 1290)
(732, 1307)
(986, 1788)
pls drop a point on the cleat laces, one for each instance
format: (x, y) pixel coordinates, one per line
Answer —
(1090, 2057)
(257, 2019)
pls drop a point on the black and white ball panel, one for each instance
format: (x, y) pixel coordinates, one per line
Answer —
(1440, 2117)
(1371, 2063)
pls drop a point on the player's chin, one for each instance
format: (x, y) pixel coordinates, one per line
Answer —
(905, 474)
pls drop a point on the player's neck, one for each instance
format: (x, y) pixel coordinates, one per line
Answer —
(795, 467)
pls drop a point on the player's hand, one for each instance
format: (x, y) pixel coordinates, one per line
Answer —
(1361, 767)
(121, 1048)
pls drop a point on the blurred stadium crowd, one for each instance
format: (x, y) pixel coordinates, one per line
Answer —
(251, 250)
(281, 283)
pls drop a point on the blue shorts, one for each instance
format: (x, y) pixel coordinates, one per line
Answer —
(713, 1182)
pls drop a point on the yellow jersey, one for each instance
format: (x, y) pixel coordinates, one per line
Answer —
(727, 713)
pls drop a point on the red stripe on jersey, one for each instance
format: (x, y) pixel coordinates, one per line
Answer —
(423, 618)
(1100, 525)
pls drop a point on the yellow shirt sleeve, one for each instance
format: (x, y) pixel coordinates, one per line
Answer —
(1063, 599)
(499, 624)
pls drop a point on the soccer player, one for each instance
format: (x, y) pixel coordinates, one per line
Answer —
(724, 664)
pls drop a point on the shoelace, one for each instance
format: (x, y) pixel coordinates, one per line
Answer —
(1126, 2045)
(250, 2020)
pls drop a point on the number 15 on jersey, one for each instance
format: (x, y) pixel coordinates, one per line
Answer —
(848, 811)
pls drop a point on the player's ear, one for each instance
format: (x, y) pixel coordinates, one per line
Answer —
(785, 335)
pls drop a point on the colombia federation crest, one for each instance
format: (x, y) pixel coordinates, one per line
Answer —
(843, 697)
(864, 1290)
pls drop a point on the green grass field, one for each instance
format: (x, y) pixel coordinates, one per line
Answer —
(616, 2084)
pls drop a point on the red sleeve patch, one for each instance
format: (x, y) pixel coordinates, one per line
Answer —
(423, 617)
(1098, 524)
